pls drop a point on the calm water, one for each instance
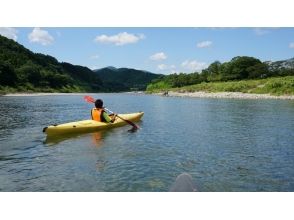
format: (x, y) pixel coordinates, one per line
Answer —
(226, 145)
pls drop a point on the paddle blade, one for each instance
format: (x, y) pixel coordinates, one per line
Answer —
(89, 99)
(135, 127)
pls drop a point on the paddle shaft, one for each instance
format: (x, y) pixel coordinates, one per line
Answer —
(121, 118)
(129, 122)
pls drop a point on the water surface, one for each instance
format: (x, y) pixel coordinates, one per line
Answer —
(225, 144)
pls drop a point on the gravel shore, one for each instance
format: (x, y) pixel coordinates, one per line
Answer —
(230, 95)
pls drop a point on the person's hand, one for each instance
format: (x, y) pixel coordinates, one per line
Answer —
(113, 117)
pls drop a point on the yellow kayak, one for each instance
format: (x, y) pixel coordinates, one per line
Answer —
(90, 125)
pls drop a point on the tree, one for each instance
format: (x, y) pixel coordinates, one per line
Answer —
(259, 70)
(213, 71)
(7, 75)
(240, 67)
(29, 72)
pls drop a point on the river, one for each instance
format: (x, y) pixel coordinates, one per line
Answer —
(224, 144)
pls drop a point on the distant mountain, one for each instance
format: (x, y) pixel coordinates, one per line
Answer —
(279, 65)
(125, 79)
(108, 67)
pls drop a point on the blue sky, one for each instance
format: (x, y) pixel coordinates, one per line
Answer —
(158, 50)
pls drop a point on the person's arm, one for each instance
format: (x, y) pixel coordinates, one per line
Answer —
(107, 118)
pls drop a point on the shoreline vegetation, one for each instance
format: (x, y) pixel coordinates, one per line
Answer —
(242, 77)
(269, 88)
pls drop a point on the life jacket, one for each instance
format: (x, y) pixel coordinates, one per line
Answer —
(96, 114)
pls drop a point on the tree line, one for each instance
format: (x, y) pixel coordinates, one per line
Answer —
(239, 68)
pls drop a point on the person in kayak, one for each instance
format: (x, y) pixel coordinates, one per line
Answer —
(99, 114)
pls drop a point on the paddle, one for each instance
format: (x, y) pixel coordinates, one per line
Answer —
(92, 100)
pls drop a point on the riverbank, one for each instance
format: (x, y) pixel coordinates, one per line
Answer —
(64, 94)
(229, 95)
(268, 88)
(41, 94)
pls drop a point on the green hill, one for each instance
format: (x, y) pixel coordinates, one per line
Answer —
(125, 79)
(21, 70)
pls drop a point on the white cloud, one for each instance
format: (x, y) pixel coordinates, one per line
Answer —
(291, 45)
(94, 57)
(194, 65)
(40, 36)
(8, 32)
(167, 68)
(158, 56)
(119, 39)
(162, 67)
(204, 44)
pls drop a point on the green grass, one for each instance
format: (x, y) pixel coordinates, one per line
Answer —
(273, 86)
(159, 86)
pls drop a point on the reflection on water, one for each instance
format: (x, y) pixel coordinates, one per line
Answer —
(225, 145)
(96, 137)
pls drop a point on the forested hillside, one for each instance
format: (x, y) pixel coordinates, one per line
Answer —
(239, 68)
(21, 70)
